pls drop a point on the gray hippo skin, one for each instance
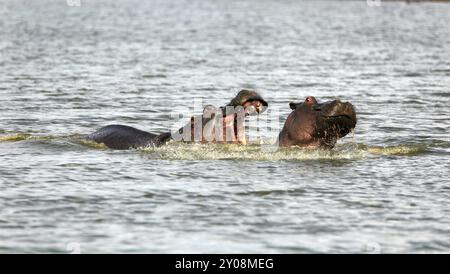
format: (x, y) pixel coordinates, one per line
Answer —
(125, 137)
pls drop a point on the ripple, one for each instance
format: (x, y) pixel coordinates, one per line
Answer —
(262, 193)
(73, 70)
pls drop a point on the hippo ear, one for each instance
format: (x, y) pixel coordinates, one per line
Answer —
(293, 105)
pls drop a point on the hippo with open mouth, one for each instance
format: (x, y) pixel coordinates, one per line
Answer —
(317, 125)
(225, 124)
(215, 125)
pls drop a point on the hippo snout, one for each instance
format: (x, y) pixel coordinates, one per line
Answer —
(338, 108)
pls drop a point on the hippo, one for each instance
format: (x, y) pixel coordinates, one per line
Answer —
(225, 124)
(126, 137)
(215, 125)
(317, 125)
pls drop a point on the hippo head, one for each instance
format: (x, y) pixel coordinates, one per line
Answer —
(251, 102)
(317, 125)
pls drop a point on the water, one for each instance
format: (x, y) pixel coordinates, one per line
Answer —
(67, 70)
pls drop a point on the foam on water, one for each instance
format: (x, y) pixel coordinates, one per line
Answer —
(398, 150)
(24, 136)
(347, 151)
(254, 152)
(261, 150)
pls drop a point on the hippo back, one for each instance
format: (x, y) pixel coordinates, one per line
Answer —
(125, 137)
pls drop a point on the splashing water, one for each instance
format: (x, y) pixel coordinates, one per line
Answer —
(259, 150)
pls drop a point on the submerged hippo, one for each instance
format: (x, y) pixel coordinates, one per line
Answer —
(317, 125)
(215, 125)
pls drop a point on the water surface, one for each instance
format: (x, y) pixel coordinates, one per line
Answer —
(67, 70)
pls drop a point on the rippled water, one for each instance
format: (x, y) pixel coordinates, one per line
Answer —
(67, 70)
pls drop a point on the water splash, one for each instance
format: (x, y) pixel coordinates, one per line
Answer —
(256, 151)
(253, 152)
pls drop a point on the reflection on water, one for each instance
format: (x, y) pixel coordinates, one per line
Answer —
(66, 71)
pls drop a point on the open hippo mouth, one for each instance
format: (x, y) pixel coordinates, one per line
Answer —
(225, 124)
(313, 124)
(251, 102)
